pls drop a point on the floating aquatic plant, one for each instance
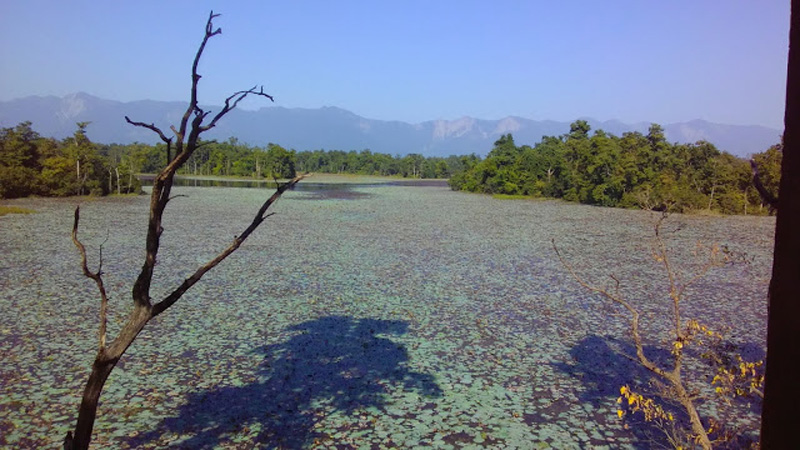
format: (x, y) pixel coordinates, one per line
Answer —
(439, 318)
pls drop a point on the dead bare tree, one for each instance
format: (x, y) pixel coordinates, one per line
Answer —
(144, 308)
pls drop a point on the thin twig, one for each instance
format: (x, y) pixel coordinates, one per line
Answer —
(151, 127)
(210, 32)
(637, 341)
(240, 95)
(96, 276)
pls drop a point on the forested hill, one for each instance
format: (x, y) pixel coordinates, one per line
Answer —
(634, 170)
(335, 128)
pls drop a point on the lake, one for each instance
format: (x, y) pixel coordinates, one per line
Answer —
(362, 316)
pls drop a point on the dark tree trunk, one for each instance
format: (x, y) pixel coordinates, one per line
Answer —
(779, 419)
(101, 369)
(104, 363)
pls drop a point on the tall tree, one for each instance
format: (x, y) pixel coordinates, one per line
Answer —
(187, 136)
(87, 165)
(280, 163)
(19, 161)
(782, 390)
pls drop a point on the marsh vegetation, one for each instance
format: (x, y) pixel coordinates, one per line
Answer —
(395, 316)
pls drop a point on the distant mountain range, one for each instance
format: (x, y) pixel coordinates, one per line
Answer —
(332, 128)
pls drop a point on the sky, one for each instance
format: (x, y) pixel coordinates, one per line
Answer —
(655, 61)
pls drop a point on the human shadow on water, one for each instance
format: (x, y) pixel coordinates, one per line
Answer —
(334, 363)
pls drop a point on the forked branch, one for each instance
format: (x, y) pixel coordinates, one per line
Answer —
(155, 129)
(175, 295)
(236, 97)
(615, 297)
(210, 32)
(186, 143)
(152, 127)
(96, 276)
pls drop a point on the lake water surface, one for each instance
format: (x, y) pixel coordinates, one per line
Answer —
(387, 317)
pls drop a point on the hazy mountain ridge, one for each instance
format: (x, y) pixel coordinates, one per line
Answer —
(335, 128)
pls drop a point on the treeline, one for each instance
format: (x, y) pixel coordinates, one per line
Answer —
(366, 162)
(34, 165)
(634, 170)
(232, 158)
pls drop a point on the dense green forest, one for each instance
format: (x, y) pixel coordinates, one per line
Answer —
(634, 170)
(33, 165)
(232, 158)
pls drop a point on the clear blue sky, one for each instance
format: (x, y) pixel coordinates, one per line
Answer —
(661, 61)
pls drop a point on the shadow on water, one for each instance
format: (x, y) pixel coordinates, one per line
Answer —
(334, 363)
(749, 352)
(604, 364)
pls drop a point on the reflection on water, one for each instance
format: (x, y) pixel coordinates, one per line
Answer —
(147, 180)
(317, 191)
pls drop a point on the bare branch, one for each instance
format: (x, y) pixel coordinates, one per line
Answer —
(236, 97)
(151, 127)
(184, 147)
(176, 132)
(637, 340)
(713, 261)
(96, 276)
(260, 216)
(662, 256)
(156, 130)
(210, 32)
(767, 196)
